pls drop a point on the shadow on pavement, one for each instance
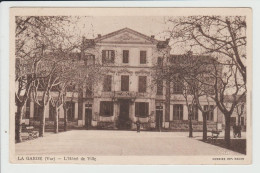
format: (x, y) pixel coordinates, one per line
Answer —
(237, 145)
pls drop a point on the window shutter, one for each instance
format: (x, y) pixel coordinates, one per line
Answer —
(124, 83)
(146, 109)
(142, 57)
(144, 84)
(112, 56)
(103, 56)
(181, 107)
(125, 56)
(109, 82)
(102, 108)
(137, 109)
(111, 108)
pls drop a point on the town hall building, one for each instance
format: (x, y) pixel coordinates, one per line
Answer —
(127, 92)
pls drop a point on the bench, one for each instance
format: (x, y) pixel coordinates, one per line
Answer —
(214, 136)
(32, 134)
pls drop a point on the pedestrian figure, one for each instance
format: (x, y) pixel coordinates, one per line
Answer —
(138, 126)
(234, 130)
(239, 131)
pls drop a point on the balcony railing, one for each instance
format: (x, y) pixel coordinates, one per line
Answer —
(124, 94)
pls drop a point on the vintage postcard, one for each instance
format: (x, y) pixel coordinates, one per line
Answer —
(131, 85)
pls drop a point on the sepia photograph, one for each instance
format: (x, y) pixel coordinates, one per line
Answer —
(130, 85)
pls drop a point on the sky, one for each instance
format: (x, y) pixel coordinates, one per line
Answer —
(91, 26)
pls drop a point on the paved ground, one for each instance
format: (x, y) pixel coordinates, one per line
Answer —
(83, 142)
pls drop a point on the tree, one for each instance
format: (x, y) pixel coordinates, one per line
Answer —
(240, 108)
(31, 32)
(224, 38)
(192, 74)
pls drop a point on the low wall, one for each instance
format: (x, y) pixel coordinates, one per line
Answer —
(49, 125)
(196, 126)
(181, 125)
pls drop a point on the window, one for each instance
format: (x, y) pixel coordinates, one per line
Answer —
(194, 112)
(89, 89)
(27, 111)
(124, 83)
(177, 112)
(159, 87)
(141, 109)
(160, 61)
(142, 84)
(142, 57)
(71, 87)
(71, 110)
(41, 84)
(89, 60)
(233, 121)
(242, 121)
(108, 56)
(52, 111)
(177, 87)
(106, 108)
(38, 110)
(210, 112)
(208, 86)
(125, 56)
(107, 83)
(55, 88)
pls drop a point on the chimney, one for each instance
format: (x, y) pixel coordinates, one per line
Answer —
(99, 35)
(152, 36)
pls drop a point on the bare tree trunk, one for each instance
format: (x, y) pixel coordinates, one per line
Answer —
(56, 122)
(18, 123)
(190, 127)
(42, 121)
(205, 128)
(227, 130)
(168, 101)
(65, 118)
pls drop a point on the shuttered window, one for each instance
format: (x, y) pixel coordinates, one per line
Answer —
(108, 56)
(27, 113)
(125, 56)
(89, 60)
(71, 110)
(160, 61)
(125, 83)
(89, 89)
(141, 109)
(38, 110)
(107, 84)
(159, 87)
(142, 57)
(142, 84)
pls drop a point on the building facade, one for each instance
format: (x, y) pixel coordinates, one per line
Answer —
(126, 92)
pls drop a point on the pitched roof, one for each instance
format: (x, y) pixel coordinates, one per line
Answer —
(153, 40)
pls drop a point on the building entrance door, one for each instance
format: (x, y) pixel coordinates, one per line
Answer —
(159, 116)
(88, 117)
(124, 121)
